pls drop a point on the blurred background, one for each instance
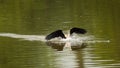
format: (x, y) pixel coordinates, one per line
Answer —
(40, 17)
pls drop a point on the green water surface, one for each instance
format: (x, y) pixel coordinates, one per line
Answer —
(100, 18)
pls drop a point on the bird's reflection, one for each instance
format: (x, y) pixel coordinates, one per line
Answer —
(78, 46)
(58, 46)
(63, 45)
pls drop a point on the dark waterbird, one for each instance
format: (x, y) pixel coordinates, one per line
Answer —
(59, 33)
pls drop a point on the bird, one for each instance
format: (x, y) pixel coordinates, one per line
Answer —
(61, 41)
(59, 33)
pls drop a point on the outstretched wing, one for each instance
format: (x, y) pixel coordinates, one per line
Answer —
(77, 30)
(57, 33)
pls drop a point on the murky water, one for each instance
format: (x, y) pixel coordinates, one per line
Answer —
(24, 25)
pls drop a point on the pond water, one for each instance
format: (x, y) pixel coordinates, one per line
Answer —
(25, 23)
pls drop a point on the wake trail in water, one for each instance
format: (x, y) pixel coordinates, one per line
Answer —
(24, 37)
(85, 39)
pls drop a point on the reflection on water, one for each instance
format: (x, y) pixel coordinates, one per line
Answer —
(58, 47)
(66, 59)
(92, 60)
(70, 54)
(67, 45)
